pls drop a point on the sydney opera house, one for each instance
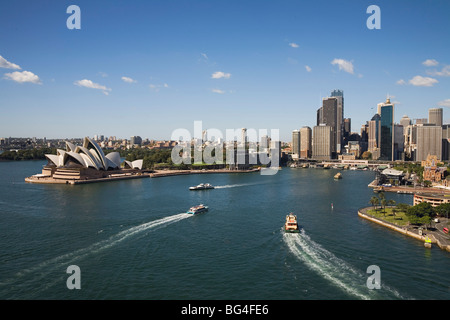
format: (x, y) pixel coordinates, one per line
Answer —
(87, 163)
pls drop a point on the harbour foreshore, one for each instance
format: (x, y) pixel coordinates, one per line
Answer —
(439, 241)
(125, 176)
(408, 190)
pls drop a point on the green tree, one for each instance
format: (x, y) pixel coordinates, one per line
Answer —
(421, 213)
(374, 201)
(443, 209)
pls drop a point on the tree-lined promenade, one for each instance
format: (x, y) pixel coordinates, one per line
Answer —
(403, 214)
(411, 220)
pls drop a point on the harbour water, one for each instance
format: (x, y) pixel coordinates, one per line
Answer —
(133, 240)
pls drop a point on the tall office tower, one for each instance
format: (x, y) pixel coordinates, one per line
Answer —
(429, 142)
(405, 121)
(339, 94)
(364, 138)
(347, 127)
(328, 117)
(373, 145)
(322, 142)
(399, 142)
(305, 142)
(435, 116)
(295, 144)
(386, 130)
(243, 136)
(446, 142)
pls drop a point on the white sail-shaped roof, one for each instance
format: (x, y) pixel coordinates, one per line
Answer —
(114, 157)
(90, 155)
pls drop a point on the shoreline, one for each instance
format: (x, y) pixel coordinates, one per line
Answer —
(408, 190)
(140, 175)
(444, 245)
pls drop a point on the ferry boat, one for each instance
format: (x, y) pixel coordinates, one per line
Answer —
(291, 224)
(338, 176)
(198, 209)
(202, 186)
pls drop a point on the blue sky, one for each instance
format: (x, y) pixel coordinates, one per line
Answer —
(149, 67)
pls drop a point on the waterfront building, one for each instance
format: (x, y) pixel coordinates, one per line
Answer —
(373, 136)
(295, 144)
(429, 141)
(86, 162)
(305, 142)
(322, 142)
(386, 139)
(328, 117)
(433, 199)
(435, 116)
(391, 176)
(339, 95)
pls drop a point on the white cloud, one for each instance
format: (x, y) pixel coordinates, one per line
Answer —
(157, 87)
(401, 82)
(129, 80)
(444, 103)
(218, 91)
(345, 65)
(24, 76)
(420, 81)
(445, 72)
(430, 63)
(8, 65)
(220, 74)
(293, 45)
(308, 68)
(89, 84)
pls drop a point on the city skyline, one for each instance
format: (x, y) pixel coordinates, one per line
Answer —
(146, 69)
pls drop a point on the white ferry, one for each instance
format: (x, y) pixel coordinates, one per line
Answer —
(291, 224)
(198, 209)
(202, 186)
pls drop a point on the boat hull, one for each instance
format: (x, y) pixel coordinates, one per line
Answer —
(198, 211)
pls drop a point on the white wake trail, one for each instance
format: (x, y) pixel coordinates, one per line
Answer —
(326, 264)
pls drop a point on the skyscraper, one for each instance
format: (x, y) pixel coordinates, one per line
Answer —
(296, 144)
(435, 116)
(305, 142)
(339, 95)
(328, 117)
(386, 140)
(429, 142)
(322, 142)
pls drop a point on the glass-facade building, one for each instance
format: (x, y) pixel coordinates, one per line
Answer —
(386, 132)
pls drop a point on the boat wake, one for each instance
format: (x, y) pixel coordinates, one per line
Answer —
(333, 269)
(234, 185)
(36, 274)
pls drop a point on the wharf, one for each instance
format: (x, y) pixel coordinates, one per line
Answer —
(408, 190)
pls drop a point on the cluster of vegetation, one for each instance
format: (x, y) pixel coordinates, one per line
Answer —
(402, 214)
(27, 154)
